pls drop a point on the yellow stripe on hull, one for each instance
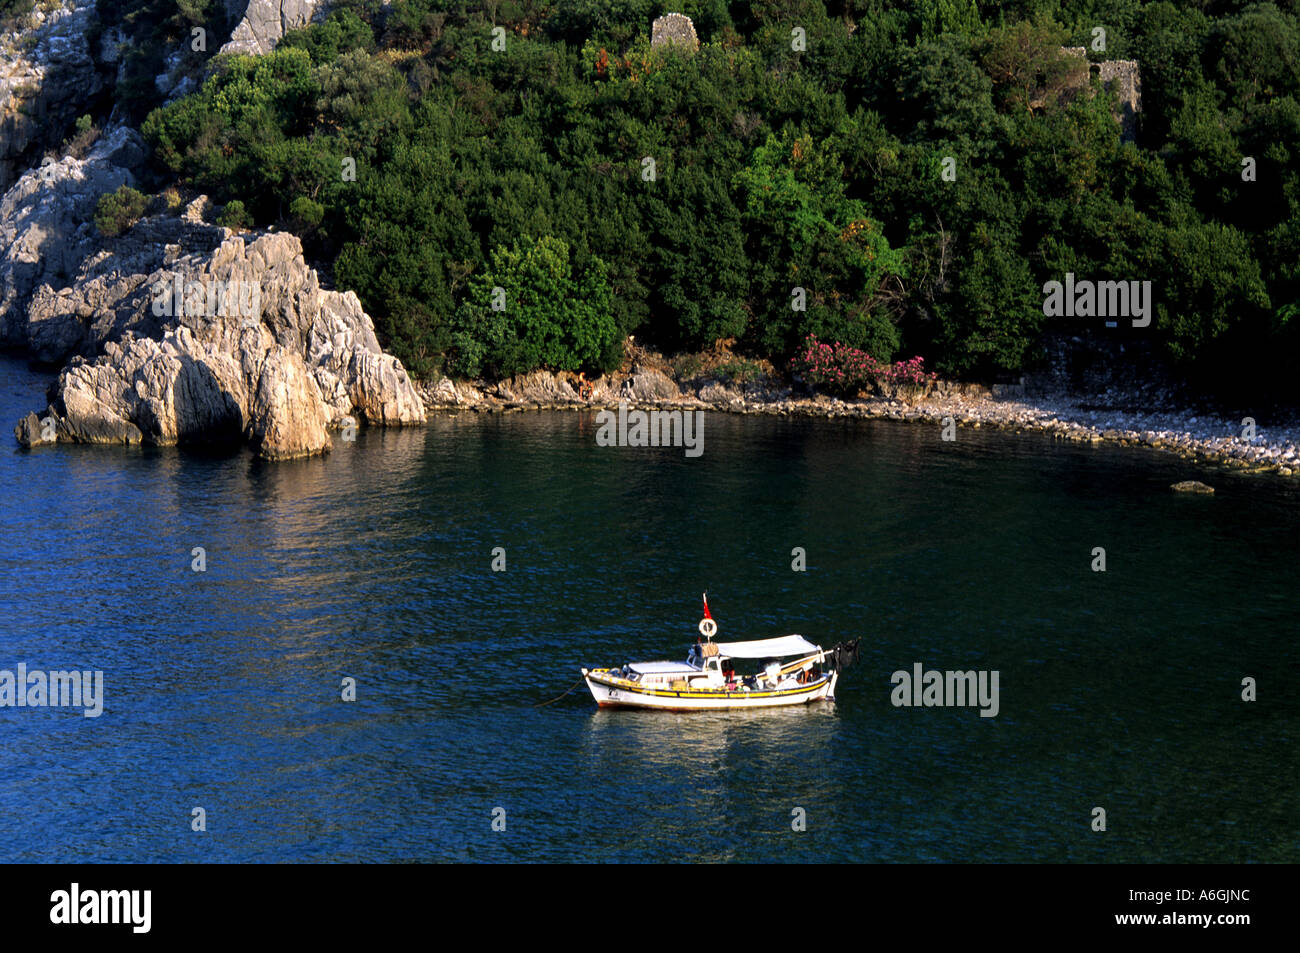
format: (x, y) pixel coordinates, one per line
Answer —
(622, 692)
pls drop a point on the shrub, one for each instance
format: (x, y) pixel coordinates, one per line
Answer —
(79, 143)
(234, 216)
(11, 10)
(118, 211)
(306, 212)
(687, 366)
(845, 370)
(739, 371)
(551, 315)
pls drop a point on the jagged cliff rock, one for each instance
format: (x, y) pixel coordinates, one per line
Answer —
(183, 331)
(177, 330)
(265, 21)
(287, 417)
(47, 75)
(46, 232)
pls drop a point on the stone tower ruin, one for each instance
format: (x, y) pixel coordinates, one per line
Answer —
(674, 28)
(1125, 79)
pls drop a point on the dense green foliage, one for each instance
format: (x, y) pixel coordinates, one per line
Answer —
(613, 188)
(528, 310)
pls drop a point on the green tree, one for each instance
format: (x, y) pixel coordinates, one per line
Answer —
(234, 215)
(530, 309)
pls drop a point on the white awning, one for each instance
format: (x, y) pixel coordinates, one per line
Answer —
(769, 648)
(663, 668)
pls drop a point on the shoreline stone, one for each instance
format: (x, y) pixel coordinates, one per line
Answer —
(1196, 437)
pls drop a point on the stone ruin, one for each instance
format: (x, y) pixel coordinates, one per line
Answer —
(259, 24)
(1125, 79)
(674, 28)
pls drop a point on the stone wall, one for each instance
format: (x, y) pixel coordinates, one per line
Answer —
(674, 28)
(1124, 78)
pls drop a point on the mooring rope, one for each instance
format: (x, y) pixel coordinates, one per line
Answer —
(558, 697)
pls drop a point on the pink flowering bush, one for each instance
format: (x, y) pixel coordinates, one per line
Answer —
(841, 369)
(909, 372)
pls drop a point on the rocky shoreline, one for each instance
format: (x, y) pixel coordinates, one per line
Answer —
(305, 361)
(180, 330)
(1197, 437)
(308, 362)
(167, 327)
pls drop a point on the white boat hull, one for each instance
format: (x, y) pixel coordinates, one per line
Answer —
(612, 691)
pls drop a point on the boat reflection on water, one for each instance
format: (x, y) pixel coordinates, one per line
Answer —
(677, 739)
(693, 785)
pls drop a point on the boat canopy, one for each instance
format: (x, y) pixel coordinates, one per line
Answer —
(663, 668)
(769, 648)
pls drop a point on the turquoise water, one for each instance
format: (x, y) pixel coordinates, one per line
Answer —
(1119, 689)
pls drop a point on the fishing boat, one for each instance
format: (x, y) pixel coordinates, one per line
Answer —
(792, 671)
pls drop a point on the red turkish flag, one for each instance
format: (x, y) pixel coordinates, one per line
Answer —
(706, 606)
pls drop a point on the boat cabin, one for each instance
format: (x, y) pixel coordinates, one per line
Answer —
(708, 665)
(659, 674)
(715, 667)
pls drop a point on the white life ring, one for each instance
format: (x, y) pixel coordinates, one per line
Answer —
(708, 628)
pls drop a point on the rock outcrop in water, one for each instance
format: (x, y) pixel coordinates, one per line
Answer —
(177, 330)
(182, 331)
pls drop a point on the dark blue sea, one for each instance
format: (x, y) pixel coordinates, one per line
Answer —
(222, 689)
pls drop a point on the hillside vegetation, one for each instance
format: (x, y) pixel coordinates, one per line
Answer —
(608, 187)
